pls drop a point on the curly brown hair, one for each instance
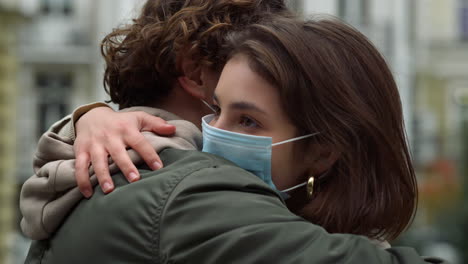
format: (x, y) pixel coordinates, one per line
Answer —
(141, 58)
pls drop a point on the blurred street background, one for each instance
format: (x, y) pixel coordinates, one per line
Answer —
(50, 64)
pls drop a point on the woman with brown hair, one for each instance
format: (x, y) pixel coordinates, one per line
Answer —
(323, 83)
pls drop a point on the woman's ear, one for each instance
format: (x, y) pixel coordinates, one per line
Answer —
(324, 160)
(191, 80)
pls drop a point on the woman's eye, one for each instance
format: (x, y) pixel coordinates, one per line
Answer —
(248, 122)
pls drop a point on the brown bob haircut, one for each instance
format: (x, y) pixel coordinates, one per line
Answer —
(332, 79)
(141, 58)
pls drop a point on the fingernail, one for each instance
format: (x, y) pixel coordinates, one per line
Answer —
(87, 193)
(133, 177)
(107, 187)
(156, 165)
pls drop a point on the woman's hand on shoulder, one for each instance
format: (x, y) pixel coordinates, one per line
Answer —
(101, 133)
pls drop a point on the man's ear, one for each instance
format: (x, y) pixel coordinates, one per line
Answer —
(191, 80)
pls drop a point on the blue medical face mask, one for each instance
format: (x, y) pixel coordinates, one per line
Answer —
(252, 153)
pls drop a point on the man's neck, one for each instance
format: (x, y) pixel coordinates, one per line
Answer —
(184, 105)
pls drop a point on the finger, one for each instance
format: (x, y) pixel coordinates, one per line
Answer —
(99, 159)
(155, 124)
(82, 174)
(142, 146)
(120, 156)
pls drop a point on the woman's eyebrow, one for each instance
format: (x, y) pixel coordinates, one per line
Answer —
(242, 105)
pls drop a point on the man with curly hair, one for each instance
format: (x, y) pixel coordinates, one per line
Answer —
(170, 58)
(165, 64)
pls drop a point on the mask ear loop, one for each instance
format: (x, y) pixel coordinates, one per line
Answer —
(209, 106)
(294, 139)
(294, 187)
(309, 182)
(310, 186)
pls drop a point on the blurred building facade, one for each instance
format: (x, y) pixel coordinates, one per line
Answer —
(387, 24)
(440, 121)
(426, 44)
(59, 68)
(10, 17)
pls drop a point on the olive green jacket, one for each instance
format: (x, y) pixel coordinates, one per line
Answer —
(199, 209)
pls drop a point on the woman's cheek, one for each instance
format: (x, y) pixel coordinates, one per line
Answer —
(282, 172)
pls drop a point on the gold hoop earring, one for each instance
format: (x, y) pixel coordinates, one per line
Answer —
(310, 187)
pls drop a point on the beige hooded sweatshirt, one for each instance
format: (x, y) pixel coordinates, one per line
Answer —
(51, 193)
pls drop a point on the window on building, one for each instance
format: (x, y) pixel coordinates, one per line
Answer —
(53, 98)
(57, 7)
(3, 72)
(3, 132)
(365, 12)
(45, 7)
(67, 7)
(342, 8)
(296, 5)
(464, 20)
(356, 12)
(3, 97)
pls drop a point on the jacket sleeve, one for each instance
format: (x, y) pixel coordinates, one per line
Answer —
(48, 195)
(232, 217)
